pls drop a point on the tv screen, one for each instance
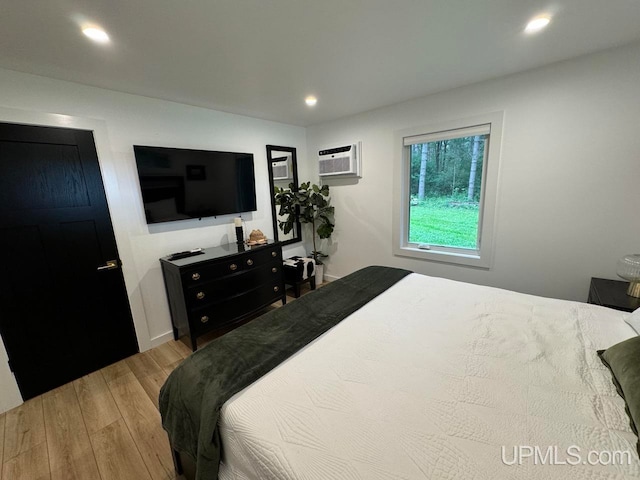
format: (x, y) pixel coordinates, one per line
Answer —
(179, 184)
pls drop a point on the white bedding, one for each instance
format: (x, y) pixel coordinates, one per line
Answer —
(429, 381)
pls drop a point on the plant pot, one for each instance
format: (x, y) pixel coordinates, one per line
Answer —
(319, 274)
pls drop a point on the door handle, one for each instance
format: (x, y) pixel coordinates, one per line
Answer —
(110, 265)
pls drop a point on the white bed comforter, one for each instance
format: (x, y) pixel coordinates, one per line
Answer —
(436, 379)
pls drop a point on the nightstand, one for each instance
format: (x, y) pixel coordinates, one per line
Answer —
(612, 294)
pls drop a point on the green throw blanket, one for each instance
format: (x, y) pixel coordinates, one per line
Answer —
(191, 398)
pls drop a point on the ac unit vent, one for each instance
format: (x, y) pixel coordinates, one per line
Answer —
(281, 168)
(335, 166)
(343, 161)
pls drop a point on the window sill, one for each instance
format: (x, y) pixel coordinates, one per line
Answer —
(472, 258)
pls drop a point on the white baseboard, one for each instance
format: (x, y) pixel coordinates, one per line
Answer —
(160, 339)
(330, 278)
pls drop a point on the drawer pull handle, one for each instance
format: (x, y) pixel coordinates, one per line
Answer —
(274, 270)
(249, 262)
(195, 276)
(276, 288)
(200, 295)
(233, 267)
(204, 319)
(274, 254)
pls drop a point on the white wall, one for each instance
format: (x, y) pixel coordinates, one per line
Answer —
(569, 186)
(119, 121)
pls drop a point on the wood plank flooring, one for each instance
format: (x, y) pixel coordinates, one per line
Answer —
(104, 426)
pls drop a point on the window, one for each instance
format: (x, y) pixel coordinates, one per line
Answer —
(446, 191)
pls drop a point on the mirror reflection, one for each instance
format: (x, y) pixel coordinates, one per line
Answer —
(283, 171)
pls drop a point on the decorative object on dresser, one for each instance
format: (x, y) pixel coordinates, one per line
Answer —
(221, 286)
(239, 233)
(256, 237)
(629, 269)
(612, 294)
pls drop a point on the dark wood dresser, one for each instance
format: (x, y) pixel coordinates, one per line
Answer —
(222, 286)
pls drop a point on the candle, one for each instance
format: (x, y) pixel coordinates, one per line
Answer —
(239, 235)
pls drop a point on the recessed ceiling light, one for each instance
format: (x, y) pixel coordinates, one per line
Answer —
(311, 100)
(537, 24)
(96, 34)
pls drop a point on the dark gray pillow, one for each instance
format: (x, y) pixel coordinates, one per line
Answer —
(623, 359)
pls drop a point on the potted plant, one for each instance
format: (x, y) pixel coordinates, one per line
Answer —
(308, 204)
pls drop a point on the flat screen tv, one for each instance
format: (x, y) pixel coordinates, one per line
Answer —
(179, 184)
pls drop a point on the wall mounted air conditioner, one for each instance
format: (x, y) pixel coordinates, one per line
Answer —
(343, 161)
(281, 167)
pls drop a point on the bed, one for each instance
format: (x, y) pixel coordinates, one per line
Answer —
(428, 379)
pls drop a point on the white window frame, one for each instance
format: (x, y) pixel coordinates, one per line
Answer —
(482, 257)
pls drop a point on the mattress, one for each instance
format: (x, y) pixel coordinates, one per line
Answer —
(436, 379)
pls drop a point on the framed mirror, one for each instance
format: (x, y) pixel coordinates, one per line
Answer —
(283, 170)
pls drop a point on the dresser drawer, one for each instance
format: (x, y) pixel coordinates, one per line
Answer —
(214, 291)
(206, 272)
(262, 255)
(228, 310)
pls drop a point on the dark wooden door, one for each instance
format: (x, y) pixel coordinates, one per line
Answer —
(61, 314)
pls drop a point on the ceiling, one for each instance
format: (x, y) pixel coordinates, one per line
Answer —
(263, 57)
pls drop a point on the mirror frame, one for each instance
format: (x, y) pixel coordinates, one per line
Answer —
(274, 212)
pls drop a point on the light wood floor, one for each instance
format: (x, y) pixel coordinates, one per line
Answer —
(104, 426)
